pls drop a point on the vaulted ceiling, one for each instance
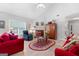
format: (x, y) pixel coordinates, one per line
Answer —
(28, 10)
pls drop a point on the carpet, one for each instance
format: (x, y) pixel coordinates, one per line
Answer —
(34, 45)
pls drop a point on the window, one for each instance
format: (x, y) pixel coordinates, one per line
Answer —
(18, 26)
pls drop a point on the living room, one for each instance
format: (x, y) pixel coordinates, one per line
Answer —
(39, 29)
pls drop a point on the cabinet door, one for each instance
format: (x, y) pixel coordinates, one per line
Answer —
(52, 31)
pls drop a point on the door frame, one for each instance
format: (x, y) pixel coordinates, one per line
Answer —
(70, 26)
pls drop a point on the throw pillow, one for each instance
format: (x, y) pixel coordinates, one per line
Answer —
(1, 40)
(70, 42)
(5, 36)
(13, 37)
(69, 45)
(68, 39)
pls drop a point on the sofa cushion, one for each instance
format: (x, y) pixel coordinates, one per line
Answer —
(75, 49)
(5, 36)
(12, 46)
(1, 39)
(61, 52)
(13, 37)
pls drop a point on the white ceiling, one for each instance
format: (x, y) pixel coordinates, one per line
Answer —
(28, 10)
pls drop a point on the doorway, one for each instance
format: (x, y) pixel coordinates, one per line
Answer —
(73, 26)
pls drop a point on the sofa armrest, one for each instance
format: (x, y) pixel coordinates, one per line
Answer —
(10, 42)
(7, 44)
(61, 52)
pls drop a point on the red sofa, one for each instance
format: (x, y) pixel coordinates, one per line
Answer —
(73, 51)
(8, 46)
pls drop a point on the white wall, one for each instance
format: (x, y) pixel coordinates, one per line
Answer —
(63, 10)
(6, 17)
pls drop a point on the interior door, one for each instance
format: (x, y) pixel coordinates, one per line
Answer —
(74, 25)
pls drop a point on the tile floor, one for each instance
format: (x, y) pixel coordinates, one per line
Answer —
(28, 52)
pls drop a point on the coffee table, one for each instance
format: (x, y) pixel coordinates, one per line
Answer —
(41, 41)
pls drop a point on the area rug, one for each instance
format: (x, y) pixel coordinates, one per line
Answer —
(34, 45)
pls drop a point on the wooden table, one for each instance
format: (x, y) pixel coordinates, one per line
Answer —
(41, 41)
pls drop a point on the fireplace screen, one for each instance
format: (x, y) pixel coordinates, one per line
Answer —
(39, 33)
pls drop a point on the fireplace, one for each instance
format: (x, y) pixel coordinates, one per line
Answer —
(39, 33)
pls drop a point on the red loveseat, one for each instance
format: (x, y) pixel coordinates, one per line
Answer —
(8, 46)
(73, 51)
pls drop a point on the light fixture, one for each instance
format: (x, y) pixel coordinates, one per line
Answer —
(40, 5)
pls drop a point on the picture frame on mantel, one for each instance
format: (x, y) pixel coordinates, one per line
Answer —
(42, 23)
(37, 23)
(2, 24)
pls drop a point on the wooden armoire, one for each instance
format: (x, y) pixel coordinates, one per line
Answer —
(52, 30)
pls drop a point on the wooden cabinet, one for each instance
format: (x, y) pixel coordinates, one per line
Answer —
(52, 30)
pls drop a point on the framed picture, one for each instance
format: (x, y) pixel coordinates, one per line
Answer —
(42, 23)
(2, 24)
(37, 23)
